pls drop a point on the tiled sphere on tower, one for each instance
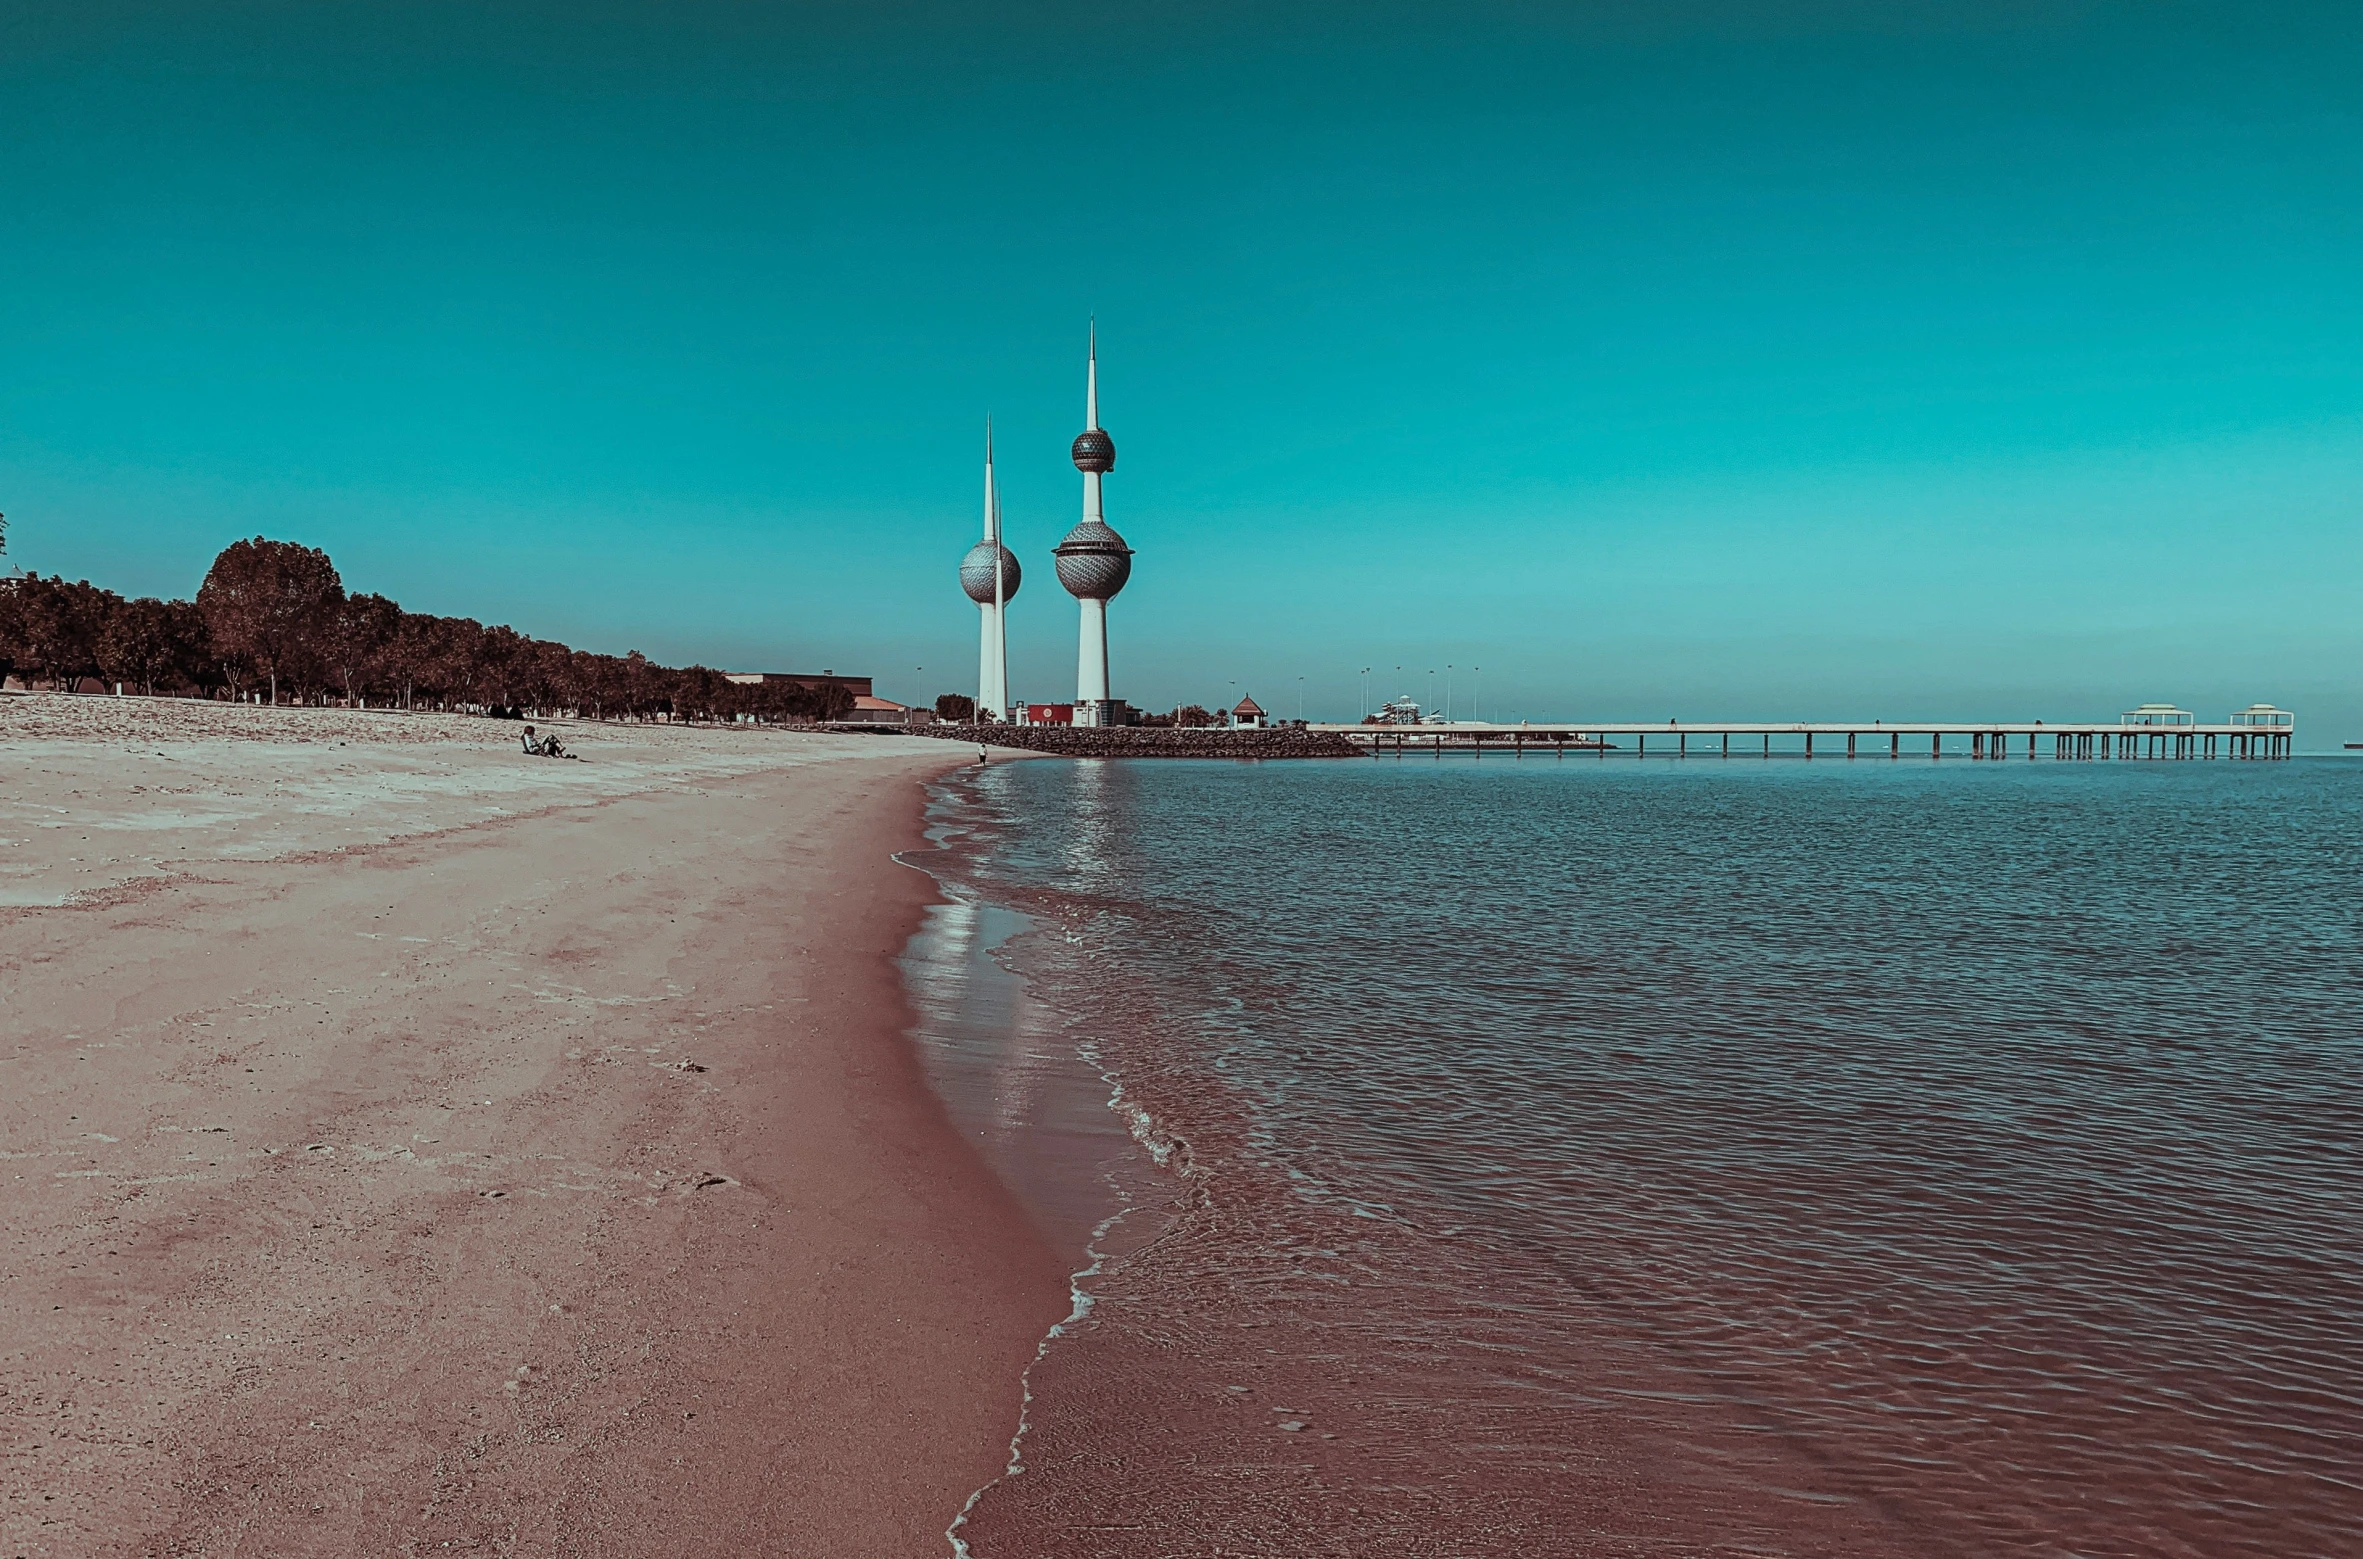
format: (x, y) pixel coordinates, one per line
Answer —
(1093, 562)
(976, 573)
(1094, 451)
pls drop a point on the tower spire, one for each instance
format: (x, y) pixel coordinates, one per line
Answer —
(1091, 380)
(1002, 584)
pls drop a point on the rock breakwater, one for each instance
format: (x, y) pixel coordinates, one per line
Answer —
(1149, 741)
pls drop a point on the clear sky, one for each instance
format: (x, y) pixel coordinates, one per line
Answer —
(1835, 360)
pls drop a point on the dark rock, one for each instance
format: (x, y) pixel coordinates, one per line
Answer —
(1149, 741)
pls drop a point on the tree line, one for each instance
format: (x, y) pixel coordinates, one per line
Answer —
(273, 621)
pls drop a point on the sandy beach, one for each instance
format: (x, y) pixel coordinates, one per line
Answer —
(407, 1146)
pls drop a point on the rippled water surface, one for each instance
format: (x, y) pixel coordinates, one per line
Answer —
(1702, 1157)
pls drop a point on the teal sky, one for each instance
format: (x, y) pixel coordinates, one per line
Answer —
(1702, 359)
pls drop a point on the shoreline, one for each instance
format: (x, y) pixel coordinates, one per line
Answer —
(1024, 1077)
(564, 1179)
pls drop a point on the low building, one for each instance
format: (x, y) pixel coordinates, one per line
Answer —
(859, 687)
(1247, 715)
(2264, 717)
(884, 711)
(1046, 714)
(2164, 717)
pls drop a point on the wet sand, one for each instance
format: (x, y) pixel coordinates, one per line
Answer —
(410, 1147)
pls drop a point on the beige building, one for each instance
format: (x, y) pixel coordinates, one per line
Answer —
(885, 711)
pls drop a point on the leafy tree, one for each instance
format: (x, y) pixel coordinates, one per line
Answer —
(13, 652)
(453, 647)
(360, 633)
(639, 682)
(501, 654)
(530, 674)
(410, 657)
(271, 602)
(1193, 714)
(194, 663)
(57, 624)
(829, 701)
(955, 706)
(138, 644)
(699, 692)
(583, 682)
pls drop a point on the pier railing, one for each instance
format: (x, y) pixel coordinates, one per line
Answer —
(1983, 741)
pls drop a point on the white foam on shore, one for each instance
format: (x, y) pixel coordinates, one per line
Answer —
(1080, 1302)
(1168, 1152)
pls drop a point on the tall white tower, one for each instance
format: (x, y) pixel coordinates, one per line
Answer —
(1093, 562)
(988, 576)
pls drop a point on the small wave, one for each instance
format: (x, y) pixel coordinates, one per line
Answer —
(1079, 1302)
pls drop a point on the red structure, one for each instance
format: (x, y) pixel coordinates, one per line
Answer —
(1050, 714)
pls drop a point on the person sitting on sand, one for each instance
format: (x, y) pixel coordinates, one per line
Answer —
(546, 746)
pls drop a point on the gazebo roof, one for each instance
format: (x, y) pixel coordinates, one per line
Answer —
(1248, 706)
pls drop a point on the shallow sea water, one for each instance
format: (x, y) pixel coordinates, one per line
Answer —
(1592, 1157)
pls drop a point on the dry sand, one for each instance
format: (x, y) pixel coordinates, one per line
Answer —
(410, 1147)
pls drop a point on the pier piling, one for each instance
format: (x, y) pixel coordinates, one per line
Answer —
(2236, 740)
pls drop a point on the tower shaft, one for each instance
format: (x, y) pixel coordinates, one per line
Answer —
(991, 675)
(1091, 665)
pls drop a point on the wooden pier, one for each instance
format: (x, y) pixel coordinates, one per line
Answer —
(1978, 741)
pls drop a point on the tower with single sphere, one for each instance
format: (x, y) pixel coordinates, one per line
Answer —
(1093, 562)
(989, 576)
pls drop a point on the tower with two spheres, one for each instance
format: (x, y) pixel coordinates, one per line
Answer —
(1093, 565)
